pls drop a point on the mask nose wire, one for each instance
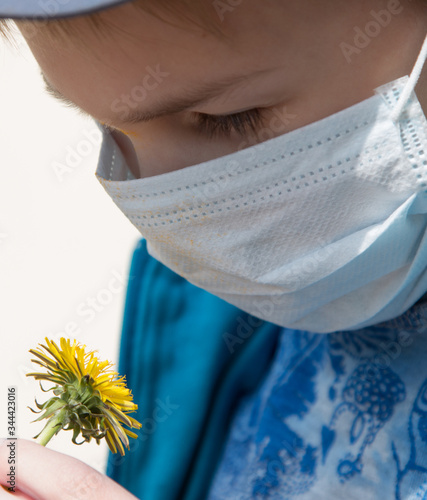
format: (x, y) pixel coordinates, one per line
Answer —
(411, 83)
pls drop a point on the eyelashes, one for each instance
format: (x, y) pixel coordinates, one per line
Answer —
(220, 126)
(224, 125)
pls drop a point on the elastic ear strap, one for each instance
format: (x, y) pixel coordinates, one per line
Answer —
(411, 83)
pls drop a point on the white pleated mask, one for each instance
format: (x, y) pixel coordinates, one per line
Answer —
(320, 229)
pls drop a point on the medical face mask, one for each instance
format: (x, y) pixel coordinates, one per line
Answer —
(320, 229)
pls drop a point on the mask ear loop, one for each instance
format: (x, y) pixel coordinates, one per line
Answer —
(410, 84)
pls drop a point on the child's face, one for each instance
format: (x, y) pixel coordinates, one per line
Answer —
(283, 58)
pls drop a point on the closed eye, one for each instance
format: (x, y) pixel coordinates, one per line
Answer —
(242, 123)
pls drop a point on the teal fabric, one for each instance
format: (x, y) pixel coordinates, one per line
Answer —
(188, 357)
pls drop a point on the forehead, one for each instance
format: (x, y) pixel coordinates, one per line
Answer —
(138, 60)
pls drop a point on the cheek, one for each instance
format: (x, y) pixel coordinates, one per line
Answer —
(168, 144)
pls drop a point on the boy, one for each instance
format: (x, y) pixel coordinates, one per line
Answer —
(248, 144)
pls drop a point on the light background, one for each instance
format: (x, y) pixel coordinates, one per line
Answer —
(63, 241)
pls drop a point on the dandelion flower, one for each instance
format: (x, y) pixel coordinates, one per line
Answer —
(90, 399)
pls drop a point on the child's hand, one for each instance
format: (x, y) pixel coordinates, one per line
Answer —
(44, 474)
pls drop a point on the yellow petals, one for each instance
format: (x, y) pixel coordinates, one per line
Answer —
(91, 399)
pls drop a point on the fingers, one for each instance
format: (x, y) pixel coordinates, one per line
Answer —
(6, 494)
(49, 475)
(31, 467)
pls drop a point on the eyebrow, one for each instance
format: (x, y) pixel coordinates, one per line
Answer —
(197, 96)
(51, 90)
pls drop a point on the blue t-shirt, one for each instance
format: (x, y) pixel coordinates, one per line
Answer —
(236, 408)
(339, 416)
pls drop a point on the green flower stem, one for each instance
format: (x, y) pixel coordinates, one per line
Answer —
(52, 427)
